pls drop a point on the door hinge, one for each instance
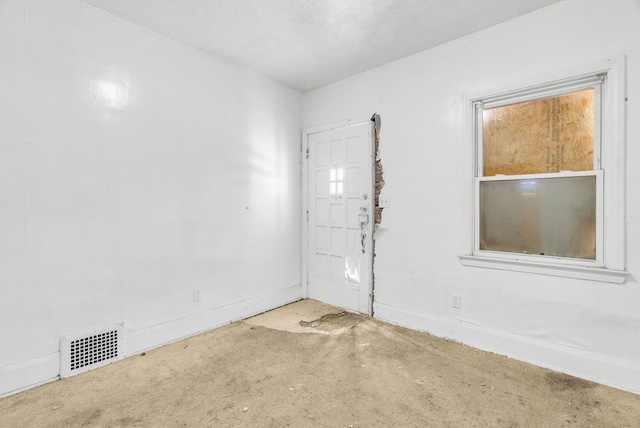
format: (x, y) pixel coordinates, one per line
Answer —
(307, 215)
(307, 152)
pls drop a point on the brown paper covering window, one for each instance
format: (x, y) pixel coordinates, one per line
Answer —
(534, 137)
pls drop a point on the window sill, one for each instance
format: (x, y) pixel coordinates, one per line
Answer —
(578, 272)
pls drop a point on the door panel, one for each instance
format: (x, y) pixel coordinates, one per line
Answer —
(340, 210)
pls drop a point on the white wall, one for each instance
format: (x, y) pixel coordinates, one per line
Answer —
(134, 170)
(590, 329)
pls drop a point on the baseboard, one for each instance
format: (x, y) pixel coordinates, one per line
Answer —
(171, 331)
(611, 371)
(18, 377)
(24, 375)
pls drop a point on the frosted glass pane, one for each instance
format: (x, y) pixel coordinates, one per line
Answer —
(548, 216)
(547, 135)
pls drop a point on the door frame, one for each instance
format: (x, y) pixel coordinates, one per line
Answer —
(305, 201)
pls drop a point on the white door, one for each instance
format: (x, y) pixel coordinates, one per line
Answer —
(340, 217)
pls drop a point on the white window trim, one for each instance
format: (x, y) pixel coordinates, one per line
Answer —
(612, 267)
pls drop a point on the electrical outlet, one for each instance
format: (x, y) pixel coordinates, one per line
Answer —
(384, 201)
(456, 300)
(197, 295)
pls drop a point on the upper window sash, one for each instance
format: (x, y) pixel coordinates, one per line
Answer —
(537, 93)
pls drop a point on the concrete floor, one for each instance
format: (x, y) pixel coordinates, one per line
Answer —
(312, 365)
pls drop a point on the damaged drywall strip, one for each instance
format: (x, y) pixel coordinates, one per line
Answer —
(379, 181)
(378, 185)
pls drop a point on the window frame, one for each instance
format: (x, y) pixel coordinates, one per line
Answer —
(608, 79)
(592, 81)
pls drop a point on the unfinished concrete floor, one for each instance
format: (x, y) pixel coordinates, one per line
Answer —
(312, 365)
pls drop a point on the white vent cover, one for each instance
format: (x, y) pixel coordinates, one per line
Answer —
(89, 350)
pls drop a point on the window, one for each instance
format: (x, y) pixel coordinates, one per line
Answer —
(547, 177)
(336, 182)
(539, 179)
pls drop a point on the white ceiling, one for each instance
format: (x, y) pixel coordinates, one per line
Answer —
(305, 44)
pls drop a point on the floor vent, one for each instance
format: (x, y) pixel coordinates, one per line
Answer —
(89, 350)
